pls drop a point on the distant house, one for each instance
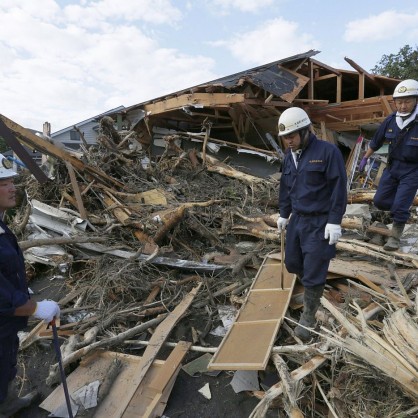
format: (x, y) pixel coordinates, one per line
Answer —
(70, 137)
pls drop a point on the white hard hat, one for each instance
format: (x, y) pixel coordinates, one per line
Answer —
(406, 88)
(292, 120)
(6, 168)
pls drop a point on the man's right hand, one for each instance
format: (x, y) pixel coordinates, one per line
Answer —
(47, 310)
(281, 224)
(362, 164)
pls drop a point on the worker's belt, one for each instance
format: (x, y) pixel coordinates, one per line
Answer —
(304, 214)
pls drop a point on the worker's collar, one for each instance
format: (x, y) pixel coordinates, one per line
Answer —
(296, 156)
(297, 153)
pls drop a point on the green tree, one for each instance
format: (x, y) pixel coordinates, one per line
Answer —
(402, 65)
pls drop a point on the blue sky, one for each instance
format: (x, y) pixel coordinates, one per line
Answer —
(64, 61)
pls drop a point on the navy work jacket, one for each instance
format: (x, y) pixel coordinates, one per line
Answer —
(13, 286)
(318, 185)
(403, 143)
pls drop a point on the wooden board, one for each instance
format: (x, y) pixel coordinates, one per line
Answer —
(155, 387)
(249, 341)
(148, 401)
(159, 336)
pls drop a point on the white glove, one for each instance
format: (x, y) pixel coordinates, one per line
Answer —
(281, 223)
(333, 232)
(47, 310)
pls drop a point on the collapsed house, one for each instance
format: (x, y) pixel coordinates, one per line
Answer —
(240, 111)
(170, 220)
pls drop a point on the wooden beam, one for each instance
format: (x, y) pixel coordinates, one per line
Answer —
(324, 66)
(365, 74)
(262, 102)
(311, 81)
(311, 101)
(361, 84)
(339, 89)
(77, 194)
(194, 99)
(361, 70)
(325, 77)
(372, 109)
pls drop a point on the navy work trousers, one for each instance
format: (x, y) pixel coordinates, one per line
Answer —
(308, 253)
(8, 363)
(397, 189)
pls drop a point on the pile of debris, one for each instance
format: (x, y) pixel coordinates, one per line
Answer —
(141, 240)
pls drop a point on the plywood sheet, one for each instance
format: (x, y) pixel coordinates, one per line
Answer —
(248, 343)
(246, 347)
(264, 305)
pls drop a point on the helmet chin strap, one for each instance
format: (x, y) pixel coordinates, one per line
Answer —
(304, 134)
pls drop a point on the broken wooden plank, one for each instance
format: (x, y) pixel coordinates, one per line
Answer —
(156, 341)
(157, 384)
(95, 367)
(194, 99)
(77, 193)
(173, 361)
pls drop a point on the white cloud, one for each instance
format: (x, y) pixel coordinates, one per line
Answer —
(42, 9)
(384, 26)
(242, 5)
(273, 40)
(64, 72)
(150, 11)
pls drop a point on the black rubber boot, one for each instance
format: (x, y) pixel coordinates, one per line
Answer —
(13, 403)
(311, 304)
(376, 238)
(395, 237)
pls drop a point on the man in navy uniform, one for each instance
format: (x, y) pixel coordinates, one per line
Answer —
(399, 182)
(15, 303)
(312, 202)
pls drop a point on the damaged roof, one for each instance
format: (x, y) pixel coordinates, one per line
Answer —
(243, 108)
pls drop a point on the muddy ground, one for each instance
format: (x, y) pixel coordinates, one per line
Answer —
(185, 400)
